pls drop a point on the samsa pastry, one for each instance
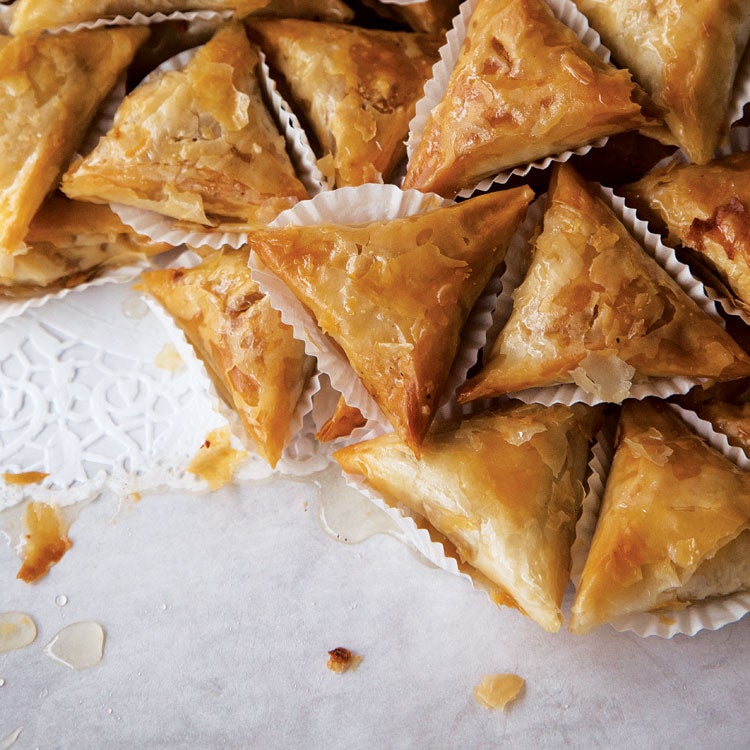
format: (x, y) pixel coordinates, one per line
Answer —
(39, 15)
(394, 295)
(524, 87)
(429, 17)
(505, 487)
(69, 243)
(50, 90)
(196, 144)
(258, 366)
(357, 88)
(685, 55)
(705, 208)
(344, 420)
(596, 310)
(674, 524)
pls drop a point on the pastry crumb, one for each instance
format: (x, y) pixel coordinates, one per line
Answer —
(496, 691)
(46, 540)
(342, 659)
(24, 477)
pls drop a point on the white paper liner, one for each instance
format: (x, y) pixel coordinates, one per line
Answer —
(11, 307)
(357, 205)
(141, 19)
(708, 615)
(565, 11)
(302, 456)
(161, 228)
(666, 258)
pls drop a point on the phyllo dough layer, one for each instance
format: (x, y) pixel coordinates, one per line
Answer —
(395, 295)
(672, 526)
(256, 363)
(596, 310)
(505, 487)
(195, 144)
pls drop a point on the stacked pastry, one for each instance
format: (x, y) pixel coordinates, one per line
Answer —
(601, 313)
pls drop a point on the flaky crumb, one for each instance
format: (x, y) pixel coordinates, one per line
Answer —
(496, 691)
(342, 659)
(46, 540)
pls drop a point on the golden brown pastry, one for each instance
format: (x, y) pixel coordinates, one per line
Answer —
(334, 11)
(524, 86)
(357, 88)
(50, 89)
(258, 366)
(596, 310)
(394, 295)
(706, 208)
(68, 243)
(38, 15)
(673, 525)
(505, 487)
(685, 54)
(195, 144)
(344, 420)
(429, 17)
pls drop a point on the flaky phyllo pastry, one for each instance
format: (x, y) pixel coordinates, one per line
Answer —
(706, 208)
(596, 310)
(524, 86)
(258, 366)
(674, 524)
(50, 89)
(505, 487)
(356, 87)
(68, 243)
(430, 16)
(344, 420)
(394, 295)
(195, 144)
(685, 54)
(37, 15)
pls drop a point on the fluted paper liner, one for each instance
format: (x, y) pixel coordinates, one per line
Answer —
(664, 256)
(160, 228)
(565, 11)
(302, 455)
(711, 614)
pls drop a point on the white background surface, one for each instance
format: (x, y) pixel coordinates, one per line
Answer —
(255, 596)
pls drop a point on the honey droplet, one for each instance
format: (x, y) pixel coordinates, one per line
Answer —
(61, 600)
(24, 477)
(17, 630)
(77, 646)
(134, 307)
(10, 740)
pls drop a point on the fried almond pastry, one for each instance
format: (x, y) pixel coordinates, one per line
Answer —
(596, 310)
(358, 88)
(344, 420)
(673, 522)
(524, 87)
(38, 15)
(429, 17)
(394, 295)
(685, 54)
(50, 89)
(706, 208)
(505, 487)
(195, 144)
(253, 358)
(68, 243)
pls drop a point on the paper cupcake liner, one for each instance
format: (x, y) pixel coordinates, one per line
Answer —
(565, 11)
(142, 19)
(161, 228)
(665, 257)
(707, 615)
(301, 456)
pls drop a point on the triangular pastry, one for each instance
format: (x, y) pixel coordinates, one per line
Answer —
(258, 366)
(429, 16)
(505, 487)
(68, 243)
(196, 144)
(596, 310)
(334, 11)
(524, 86)
(394, 295)
(38, 15)
(357, 88)
(685, 54)
(673, 522)
(344, 420)
(706, 208)
(50, 89)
